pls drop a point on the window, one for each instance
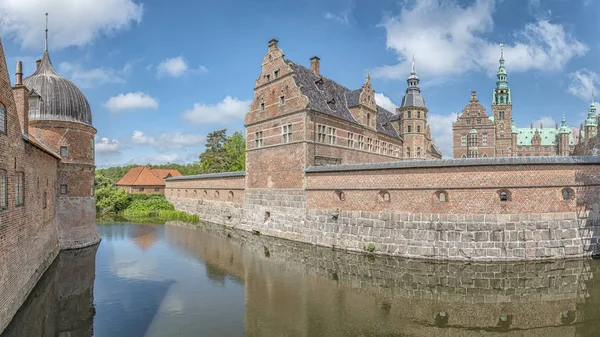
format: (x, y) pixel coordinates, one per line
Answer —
(478, 120)
(384, 147)
(418, 128)
(501, 135)
(468, 122)
(34, 104)
(321, 133)
(276, 73)
(2, 119)
(504, 195)
(63, 151)
(408, 114)
(368, 119)
(418, 114)
(20, 189)
(369, 144)
(484, 139)
(141, 189)
(501, 115)
(258, 138)
(409, 128)
(377, 146)
(262, 107)
(384, 196)
(418, 151)
(3, 190)
(442, 196)
(282, 100)
(408, 152)
(93, 147)
(568, 194)
(390, 149)
(350, 140)
(63, 189)
(45, 200)
(216, 194)
(157, 189)
(331, 134)
(463, 140)
(230, 195)
(286, 130)
(361, 142)
(268, 78)
(341, 196)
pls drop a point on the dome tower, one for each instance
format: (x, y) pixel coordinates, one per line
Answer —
(61, 118)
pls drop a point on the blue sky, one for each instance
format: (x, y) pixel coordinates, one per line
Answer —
(161, 75)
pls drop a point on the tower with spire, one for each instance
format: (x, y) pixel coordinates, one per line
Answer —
(591, 123)
(412, 121)
(502, 111)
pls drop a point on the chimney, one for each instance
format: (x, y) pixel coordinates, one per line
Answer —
(556, 126)
(531, 126)
(273, 44)
(19, 73)
(315, 65)
(37, 64)
(21, 97)
(541, 126)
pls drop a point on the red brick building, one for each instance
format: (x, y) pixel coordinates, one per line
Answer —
(145, 179)
(46, 176)
(477, 134)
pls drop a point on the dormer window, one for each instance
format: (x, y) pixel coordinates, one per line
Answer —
(319, 84)
(268, 77)
(276, 74)
(262, 107)
(282, 100)
(331, 104)
(34, 103)
(63, 151)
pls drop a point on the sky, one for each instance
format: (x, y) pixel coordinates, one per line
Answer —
(161, 75)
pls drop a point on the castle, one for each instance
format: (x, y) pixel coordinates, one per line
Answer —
(317, 171)
(46, 176)
(475, 134)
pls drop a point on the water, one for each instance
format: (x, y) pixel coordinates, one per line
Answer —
(178, 280)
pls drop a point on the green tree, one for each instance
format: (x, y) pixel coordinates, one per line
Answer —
(214, 158)
(235, 146)
(102, 181)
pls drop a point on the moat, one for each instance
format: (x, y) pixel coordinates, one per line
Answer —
(182, 280)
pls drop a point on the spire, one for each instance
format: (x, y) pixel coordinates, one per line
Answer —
(412, 71)
(501, 92)
(46, 45)
(502, 52)
(563, 126)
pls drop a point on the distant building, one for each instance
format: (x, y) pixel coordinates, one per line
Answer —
(477, 134)
(145, 179)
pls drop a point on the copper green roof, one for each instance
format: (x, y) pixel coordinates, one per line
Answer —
(549, 136)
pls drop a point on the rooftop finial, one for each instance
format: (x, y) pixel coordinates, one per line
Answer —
(46, 45)
(368, 76)
(592, 95)
(502, 51)
(412, 71)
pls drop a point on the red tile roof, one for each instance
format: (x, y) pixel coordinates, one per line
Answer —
(146, 176)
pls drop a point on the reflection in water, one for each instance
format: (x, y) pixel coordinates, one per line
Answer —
(61, 303)
(178, 280)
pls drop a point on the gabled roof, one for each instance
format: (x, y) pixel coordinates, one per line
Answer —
(329, 97)
(145, 176)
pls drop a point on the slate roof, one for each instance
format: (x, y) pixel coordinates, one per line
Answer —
(145, 176)
(329, 97)
(61, 100)
(413, 98)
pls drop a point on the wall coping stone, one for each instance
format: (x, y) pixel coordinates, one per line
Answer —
(209, 176)
(462, 162)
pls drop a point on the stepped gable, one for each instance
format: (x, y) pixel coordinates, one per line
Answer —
(328, 97)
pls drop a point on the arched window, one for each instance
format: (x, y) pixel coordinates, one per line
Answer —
(3, 190)
(368, 119)
(408, 114)
(568, 194)
(464, 156)
(484, 155)
(418, 114)
(340, 195)
(409, 128)
(230, 196)
(205, 193)
(418, 128)
(441, 196)
(504, 195)
(384, 196)
(2, 119)
(216, 194)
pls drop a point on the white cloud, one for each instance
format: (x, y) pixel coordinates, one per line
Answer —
(441, 131)
(107, 146)
(70, 23)
(230, 109)
(385, 102)
(583, 83)
(546, 121)
(131, 101)
(89, 78)
(167, 158)
(173, 67)
(448, 39)
(167, 141)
